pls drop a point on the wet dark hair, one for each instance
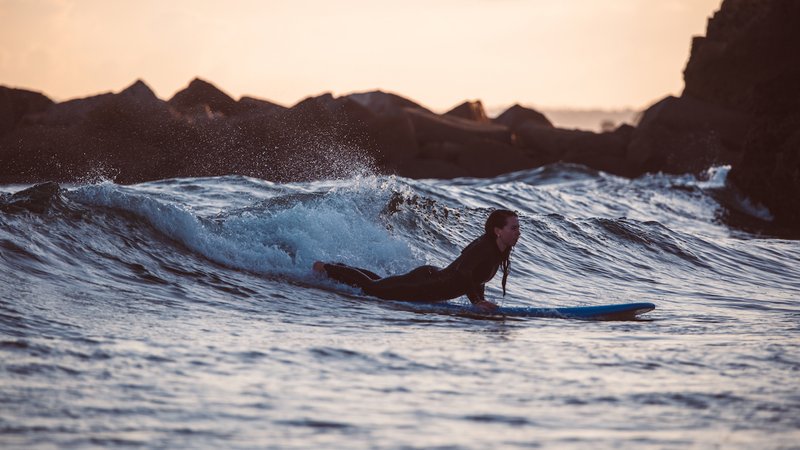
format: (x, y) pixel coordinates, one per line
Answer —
(498, 219)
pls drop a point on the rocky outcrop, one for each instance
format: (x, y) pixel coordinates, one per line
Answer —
(37, 199)
(470, 110)
(747, 43)
(326, 109)
(517, 115)
(430, 127)
(602, 151)
(135, 108)
(202, 99)
(251, 105)
(134, 136)
(69, 113)
(385, 103)
(748, 62)
(683, 134)
(16, 104)
(769, 172)
(492, 158)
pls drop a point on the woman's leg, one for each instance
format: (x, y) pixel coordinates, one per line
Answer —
(418, 285)
(352, 276)
(413, 286)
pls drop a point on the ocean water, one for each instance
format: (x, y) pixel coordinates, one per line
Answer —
(183, 314)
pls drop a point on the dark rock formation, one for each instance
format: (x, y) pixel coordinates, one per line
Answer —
(69, 113)
(384, 103)
(769, 172)
(747, 44)
(203, 99)
(470, 110)
(748, 62)
(518, 115)
(36, 199)
(395, 137)
(541, 141)
(602, 151)
(250, 105)
(327, 109)
(135, 108)
(430, 127)
(680, 135)
(16, 104)
(491, 158)
(133, 136)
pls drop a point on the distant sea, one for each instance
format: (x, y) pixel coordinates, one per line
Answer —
(182, 313)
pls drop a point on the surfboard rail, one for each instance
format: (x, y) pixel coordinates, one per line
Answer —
(622, 311)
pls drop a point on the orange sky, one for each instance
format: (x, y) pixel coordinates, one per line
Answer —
(541, 53)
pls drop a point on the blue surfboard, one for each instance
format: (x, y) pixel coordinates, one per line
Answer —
(626, 311)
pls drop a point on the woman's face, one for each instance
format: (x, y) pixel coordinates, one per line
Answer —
(509, 234)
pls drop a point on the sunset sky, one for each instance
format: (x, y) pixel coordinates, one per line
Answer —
(541, 53)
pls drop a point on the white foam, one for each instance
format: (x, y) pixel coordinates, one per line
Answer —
(754, 209)
(715, 177)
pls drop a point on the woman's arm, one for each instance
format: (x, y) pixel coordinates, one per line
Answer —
(479, 251)
(480, 302)
(477, 294)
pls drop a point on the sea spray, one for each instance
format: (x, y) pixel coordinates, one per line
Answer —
(273, 237)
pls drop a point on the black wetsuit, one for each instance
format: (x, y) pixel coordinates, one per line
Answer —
(467, 275)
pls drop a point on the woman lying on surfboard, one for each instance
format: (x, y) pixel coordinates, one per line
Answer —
(467, 275)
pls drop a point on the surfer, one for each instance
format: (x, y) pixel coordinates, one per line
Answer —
(467, 275)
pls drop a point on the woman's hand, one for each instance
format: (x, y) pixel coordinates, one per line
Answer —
(485, 306)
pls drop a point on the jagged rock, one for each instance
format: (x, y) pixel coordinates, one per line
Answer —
(748, 61)
(16, 104)
(137, 136)
(394, 136)
(429, 127)
(131, 135)
(202, 98)
(517, 115)
(135, 109)
(387, 138)
(37, 199)
(747, 43)
(252, 105)
(328, 109)
(478, 158)
(491, 158)
(606, 151)
(769, 173)
(682, 134)
(470, 110)
(34, 153)
(71, 112)
(384, 103)
(601, 151)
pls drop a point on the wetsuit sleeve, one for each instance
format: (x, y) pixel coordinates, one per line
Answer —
(473, 298)
(472, 256)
